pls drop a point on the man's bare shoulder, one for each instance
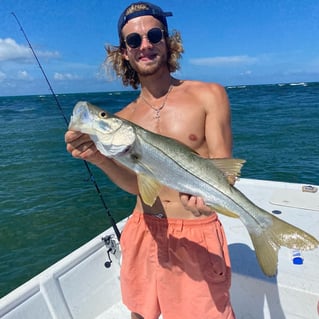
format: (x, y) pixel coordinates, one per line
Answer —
(127, 111)
(211, 94)
(193, 84)
(204, 88)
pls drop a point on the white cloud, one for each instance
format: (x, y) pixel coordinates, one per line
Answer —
(23, 75)
(3, 76)
(18, 75)
(10, 50)
(247, 72)
(65, 76)
(224, 60)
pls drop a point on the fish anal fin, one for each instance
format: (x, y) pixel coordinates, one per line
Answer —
(231, 167)
(225, 211)
(149, 188)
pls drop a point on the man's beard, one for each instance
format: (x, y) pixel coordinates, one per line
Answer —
(151, 69)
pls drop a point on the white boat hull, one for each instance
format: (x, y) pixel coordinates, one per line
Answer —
(81, 287)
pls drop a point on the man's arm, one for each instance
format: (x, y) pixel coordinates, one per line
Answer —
(218, 135)
(218, 131)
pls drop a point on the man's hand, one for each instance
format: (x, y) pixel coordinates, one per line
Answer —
(81, 146)
(195, 204)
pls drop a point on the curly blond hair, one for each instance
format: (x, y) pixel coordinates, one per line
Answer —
(123, 68)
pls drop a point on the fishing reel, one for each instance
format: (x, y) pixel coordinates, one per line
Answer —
(112, 247)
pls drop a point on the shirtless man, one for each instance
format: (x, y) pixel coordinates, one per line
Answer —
(175, 256)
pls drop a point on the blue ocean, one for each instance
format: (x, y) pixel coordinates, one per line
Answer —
(49, 206)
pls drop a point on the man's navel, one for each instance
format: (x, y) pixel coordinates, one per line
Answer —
(193, 137)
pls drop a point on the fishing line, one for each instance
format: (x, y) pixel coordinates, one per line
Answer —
(91, 176)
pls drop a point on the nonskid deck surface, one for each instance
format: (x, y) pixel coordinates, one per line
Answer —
(117, 311)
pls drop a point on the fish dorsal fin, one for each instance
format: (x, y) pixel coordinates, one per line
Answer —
(229, 166)
(149, 188)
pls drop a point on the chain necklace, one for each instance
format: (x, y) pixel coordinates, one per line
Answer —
(158, 109)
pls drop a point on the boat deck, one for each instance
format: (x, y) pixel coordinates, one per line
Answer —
(81, 287)
(115, 312)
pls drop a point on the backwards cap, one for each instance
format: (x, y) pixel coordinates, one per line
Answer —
(152, 10)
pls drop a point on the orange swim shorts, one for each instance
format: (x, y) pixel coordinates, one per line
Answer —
(177, 268)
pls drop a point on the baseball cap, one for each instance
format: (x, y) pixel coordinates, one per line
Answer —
(151, 10)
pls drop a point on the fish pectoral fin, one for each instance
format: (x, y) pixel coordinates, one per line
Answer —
(225, 211)
(149, 188)
(229, 166)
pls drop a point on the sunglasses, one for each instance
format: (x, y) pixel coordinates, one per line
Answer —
(134, 40)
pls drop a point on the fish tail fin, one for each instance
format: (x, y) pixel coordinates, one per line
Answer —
(279, 233)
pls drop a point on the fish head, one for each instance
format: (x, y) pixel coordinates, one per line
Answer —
(111, 135)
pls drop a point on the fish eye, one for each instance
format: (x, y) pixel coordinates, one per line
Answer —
(103, 114)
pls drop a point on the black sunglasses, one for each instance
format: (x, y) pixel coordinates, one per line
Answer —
(134, 40)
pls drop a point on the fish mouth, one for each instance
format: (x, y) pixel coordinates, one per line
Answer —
(82, 117)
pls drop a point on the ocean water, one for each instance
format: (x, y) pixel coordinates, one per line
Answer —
(49, 207)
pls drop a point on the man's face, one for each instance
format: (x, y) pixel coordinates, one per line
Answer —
(148, 58)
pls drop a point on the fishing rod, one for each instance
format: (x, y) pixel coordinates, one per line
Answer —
(91, 176)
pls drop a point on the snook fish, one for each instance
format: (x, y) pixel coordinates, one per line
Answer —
(159, 160)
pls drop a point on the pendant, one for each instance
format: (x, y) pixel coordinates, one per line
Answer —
(157, 115)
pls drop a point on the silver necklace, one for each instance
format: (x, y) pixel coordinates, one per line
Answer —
(158, 109)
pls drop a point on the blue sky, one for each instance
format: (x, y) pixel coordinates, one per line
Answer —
(233, 42)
